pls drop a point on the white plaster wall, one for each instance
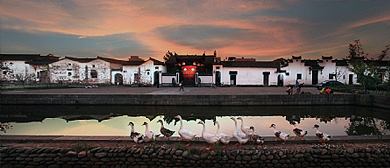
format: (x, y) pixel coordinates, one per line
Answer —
(103, 71)
(248, 76)
(59, 71)
(16, 68)
(206, 79)
(128, 74)
(167, 79)
(145, 71)
(294, 68)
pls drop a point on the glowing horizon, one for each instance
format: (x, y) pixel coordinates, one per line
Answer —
(264, 30)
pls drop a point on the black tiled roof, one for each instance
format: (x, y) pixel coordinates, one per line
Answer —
(35, 59)
(256, 64)
(19, 57)
(205, 59)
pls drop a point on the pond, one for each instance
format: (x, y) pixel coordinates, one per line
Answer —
(113, 120)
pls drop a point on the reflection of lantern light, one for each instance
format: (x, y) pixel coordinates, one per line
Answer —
(185, 69)
(194, 63)
(183, 63)
(192, 69)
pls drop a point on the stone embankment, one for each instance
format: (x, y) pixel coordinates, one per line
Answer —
(175, 157)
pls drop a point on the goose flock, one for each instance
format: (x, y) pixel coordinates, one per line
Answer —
(242, 136)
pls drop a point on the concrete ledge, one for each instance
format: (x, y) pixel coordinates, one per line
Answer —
(205, 100)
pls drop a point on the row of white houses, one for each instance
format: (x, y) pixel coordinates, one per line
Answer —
(202, 70)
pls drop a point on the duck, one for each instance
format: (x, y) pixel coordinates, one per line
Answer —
(209, 138)
(224, 138)
(323, 137)
(256, 137)
(149, 134)
(136, 136)
(166, 132)
(298, 131)
(241, 137)
(185, 134)
(280, 135)
(245, 129)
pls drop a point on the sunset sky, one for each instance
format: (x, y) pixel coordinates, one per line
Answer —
(264, 29)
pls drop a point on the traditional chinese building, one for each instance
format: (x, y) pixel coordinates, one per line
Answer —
(192, 70)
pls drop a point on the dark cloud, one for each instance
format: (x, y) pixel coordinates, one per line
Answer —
(202, 36)
(117, 45)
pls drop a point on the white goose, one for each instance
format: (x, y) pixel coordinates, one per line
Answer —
(245, 129)
(280, 135)
(151, 135)
(185, 134)
(241, 138)
(224, 138)
(137, 137)
(298, 132)
(322, 136)
(209, 138)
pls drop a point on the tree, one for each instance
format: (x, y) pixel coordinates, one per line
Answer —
(384, 53)
(367, 73)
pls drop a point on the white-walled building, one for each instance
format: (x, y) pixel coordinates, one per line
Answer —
(80, 70)
(248, 72)
(137, 71)
(25, 68)
(193, 70)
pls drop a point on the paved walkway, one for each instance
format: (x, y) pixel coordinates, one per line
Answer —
(165, 90)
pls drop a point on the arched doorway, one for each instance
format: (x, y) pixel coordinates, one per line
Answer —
(118, 79)
(280, 80)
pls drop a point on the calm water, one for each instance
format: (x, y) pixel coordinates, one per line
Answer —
(113, 120)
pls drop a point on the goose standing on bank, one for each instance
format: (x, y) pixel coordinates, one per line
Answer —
(280, 135)
(224, 138)
(256, 137)
(298, 132)
(137, 137)
(241, 137)
(149, 134)
(166, 132)
(185, 134)
(322, 136)
(209, 138)
(245, 129)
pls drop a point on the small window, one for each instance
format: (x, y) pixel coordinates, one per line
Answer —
(4, 72)
(299, 76)
(232, 72)
(332, 76)
(37, 74)
(343, 76)
(94, 74)
(69, 64)
(93, 66)
(217, 67)
(156, 68)
(69, 73)
(147, 73)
